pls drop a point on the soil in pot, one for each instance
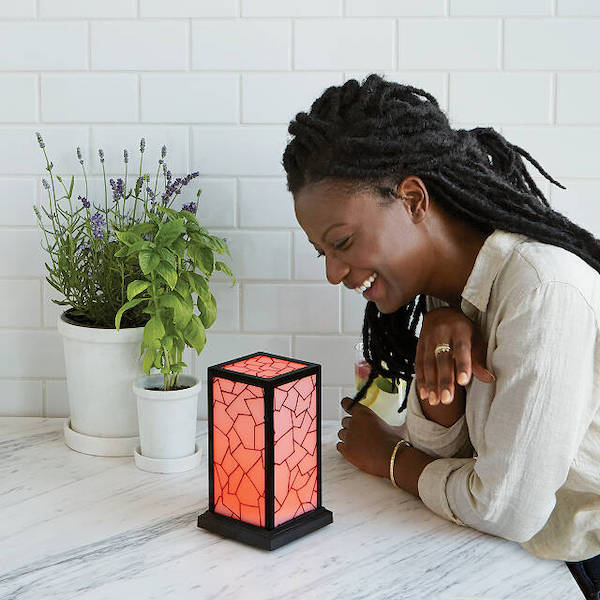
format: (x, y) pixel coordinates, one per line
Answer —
(162, 389)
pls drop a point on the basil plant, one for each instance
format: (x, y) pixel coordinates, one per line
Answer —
(177, 257)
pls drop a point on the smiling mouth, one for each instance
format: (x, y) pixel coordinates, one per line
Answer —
(368, 294)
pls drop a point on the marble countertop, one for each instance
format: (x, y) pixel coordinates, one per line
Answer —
(87, 527)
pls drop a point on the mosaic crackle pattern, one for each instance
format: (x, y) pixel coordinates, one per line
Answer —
(295, 436)
(264, 366)
(239, 450)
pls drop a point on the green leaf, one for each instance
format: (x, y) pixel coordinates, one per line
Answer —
(153, 332)
(71, 186)
(125, 307)
(208, 310)
(173, 214)
(220, 243)
(166, 255)
(198, 284)
(182, 313)
(143, 228)
(203, 258)
(195, 335)
(148, 360)
(221, 266)
(127, 237)
(386, 385)
(168, 273)
(136, 287)
(183, 288)
(169, 232)
(179, 246)
(149, 260)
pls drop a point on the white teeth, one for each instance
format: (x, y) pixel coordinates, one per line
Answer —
(366, 284)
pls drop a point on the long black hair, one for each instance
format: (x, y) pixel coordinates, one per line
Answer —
(377, 133)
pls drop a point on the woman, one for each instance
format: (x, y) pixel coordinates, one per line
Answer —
(419, 217)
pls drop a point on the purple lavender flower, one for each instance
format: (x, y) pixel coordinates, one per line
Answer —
(174, 188)
(147, 236)
(79, 155)
(117, 188)
(84, 247)
(101, 154)
(191, 207)
(45, 184)
(97, 221)
(49, 167)
(40, 139)
(150, 192)
(142, 145)
(125, 156)
(84, 201)
(163, 152)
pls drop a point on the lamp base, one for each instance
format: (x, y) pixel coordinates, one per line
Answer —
(267, 539)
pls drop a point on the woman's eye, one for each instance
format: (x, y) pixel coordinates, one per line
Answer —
(340, 246)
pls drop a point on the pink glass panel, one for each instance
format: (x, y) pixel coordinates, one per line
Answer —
(264, 366)
(295, 437)
(239, 450)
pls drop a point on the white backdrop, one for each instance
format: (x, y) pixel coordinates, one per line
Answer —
(217, 81)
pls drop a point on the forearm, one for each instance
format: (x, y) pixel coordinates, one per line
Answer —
(445, 414)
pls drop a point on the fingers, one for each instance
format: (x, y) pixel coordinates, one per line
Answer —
(444, 365)
(461, 349)
(435, 376)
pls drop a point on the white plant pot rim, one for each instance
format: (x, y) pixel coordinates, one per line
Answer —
(156, 379)
(99, 335)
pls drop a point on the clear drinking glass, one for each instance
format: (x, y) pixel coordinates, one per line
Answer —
(380, 397)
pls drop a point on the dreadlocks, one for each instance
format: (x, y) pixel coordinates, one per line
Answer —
(375, 134)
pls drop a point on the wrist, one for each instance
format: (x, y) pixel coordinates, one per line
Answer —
(409, 463)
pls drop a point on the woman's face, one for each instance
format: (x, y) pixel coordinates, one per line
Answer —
(359, 237)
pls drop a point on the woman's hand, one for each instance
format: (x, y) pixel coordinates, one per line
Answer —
(434, 377)
(367, 441)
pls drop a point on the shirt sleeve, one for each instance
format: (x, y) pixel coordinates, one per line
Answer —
(544, 360)
(431, 437)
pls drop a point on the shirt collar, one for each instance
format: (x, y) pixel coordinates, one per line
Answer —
(496, 250)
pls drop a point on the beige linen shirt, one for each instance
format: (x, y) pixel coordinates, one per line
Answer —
(523, 462)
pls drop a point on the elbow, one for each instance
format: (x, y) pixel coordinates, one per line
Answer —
(516, 525)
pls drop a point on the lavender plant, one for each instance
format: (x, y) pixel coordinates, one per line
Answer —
(176, 256)
(80, 241)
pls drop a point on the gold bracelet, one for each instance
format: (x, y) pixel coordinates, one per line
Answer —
(405, 443)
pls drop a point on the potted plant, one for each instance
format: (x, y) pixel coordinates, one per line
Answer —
(100, 362)
(176, 256)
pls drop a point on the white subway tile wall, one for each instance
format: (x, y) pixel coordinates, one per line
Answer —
(218, 81)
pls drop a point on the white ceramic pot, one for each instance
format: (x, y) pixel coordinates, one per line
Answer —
(167, 424)
(101, 365)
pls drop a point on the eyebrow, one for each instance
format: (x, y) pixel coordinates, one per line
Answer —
(325, 232)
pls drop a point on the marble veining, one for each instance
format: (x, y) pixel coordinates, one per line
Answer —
(74, 526)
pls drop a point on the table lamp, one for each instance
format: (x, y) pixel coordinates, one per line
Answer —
(264, 450)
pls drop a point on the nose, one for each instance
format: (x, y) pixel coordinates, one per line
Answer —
(335, 269)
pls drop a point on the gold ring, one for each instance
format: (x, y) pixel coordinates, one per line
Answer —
(442, 348)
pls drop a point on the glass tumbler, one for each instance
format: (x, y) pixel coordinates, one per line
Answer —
(380, 397)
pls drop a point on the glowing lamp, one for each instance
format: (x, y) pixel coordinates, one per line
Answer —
(264, 450)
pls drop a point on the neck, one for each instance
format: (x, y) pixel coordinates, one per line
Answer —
(454, 258)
